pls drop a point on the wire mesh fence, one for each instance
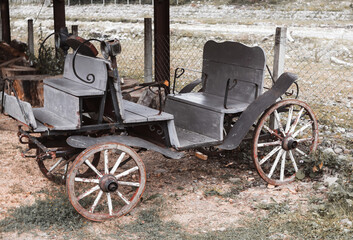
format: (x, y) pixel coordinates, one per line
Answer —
(325, 69)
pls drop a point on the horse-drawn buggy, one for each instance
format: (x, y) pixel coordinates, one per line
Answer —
(88, 136)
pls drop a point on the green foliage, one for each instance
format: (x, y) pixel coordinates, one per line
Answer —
(149, 225)
(54, 212)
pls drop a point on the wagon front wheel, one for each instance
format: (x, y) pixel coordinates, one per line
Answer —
(116, 186)
(284, 136)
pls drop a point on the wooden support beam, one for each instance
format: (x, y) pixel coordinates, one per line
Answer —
(279, 51)
(5, 21)
(162, 40)
(148, 50)
(59, 14)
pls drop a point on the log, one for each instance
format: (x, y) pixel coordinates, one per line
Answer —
(28, 87)
(12, 61)
(7, 52)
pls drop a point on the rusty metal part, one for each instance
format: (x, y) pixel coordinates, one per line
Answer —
(278, 157)
(87, 49)
(86, 193)
(108, 183)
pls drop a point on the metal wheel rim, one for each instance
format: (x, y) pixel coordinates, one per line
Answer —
(290, 130)
(90, 211)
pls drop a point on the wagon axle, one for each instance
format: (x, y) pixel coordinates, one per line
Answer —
(108, 183)
(289, 143)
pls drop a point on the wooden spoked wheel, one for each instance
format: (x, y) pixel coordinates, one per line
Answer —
(116, 186)
(284, 136)
(56, 169)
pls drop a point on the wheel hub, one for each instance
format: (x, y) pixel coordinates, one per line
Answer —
(108, 183)
(289, 143)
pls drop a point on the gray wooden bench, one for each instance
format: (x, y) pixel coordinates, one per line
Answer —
(232, 78)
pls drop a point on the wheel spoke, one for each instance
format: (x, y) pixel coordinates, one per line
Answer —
(275, 163)
(117, 163)
(278, 119)
(66, 168)
(96, 201)
(301, 152)
(127, 172)
(133, 184)
(272, 132)
(305, 140)
(55, 165)
(95, 188)
(293, 161)
(110, 204)
(289, 120)
(302, 129)
(106, 168)
(269, 144)
(283, 163)
(296, 120)
(86, 180)
(270, 154)
(93, 168)
(123, 198)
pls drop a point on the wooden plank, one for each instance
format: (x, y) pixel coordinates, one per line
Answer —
(12, 61)
(193, 118)
(12, 108)
(150, 113)
(52, 120)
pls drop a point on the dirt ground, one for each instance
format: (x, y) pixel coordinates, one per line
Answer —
(187, 186)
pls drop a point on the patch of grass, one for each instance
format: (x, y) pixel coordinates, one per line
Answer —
(149, 225)
(212, 192)
(54, 212)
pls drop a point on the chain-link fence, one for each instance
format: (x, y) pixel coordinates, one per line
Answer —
(325, 69)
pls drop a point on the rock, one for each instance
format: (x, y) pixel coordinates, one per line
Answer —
(342, 157)
(346, 221)
(338, 150)
(235, 180)
(222, 229)
(270, 186)
(329, 151)
(330, 180)
(340, 130)
(349, 135)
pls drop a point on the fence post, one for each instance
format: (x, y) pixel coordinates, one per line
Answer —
(148, 50)
(278, 61)
(280, 51)
(30, 39)
(74, 30)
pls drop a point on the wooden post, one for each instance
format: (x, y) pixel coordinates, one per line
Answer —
(148, 50)
(30, 37)
(278, 61)
(59, 15)
(280, 51)
(74, 30)
(5, 21)
(161, 41)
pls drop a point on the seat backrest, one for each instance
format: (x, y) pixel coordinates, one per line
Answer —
(93, 70)
(233, 60)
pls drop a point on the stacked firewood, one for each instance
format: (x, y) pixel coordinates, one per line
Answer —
(15, 66)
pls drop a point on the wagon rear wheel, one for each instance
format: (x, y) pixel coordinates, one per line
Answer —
(56, 169)
(284, 136)
(116, 186)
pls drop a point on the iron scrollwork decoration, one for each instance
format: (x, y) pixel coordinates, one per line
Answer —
(90, 78)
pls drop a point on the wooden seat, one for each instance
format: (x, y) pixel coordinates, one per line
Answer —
(232, 78)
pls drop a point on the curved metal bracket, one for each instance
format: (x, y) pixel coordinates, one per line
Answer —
(90, 78)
